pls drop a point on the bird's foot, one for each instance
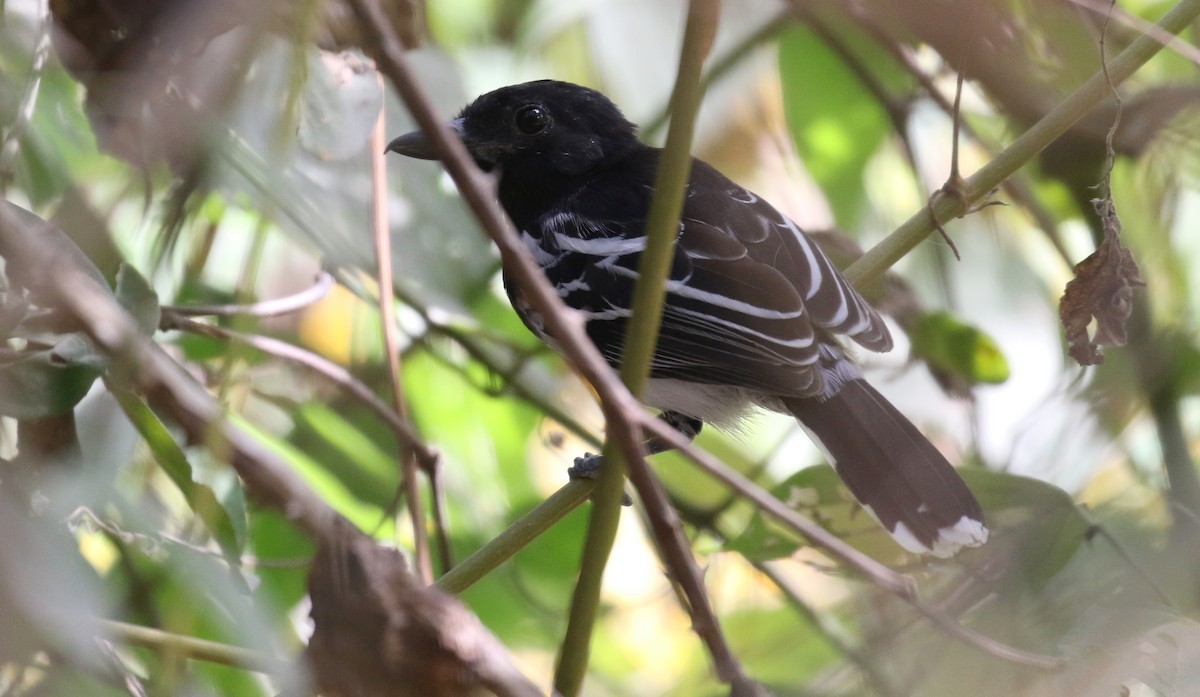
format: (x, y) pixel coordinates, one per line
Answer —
(588, 467)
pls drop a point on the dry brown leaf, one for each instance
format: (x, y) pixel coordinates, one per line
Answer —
(1102, 289)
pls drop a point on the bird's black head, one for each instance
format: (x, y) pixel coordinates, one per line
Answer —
(536, 130)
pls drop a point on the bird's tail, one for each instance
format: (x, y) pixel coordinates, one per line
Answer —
(893, 471)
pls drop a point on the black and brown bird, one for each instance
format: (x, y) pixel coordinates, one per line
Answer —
(752, 310)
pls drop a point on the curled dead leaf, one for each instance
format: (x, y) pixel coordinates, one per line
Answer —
(1102, 289)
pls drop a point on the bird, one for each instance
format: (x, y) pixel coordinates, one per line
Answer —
(753, 309)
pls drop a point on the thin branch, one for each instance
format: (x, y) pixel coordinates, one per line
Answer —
(318, 364)
(567, 326)
(722, 65)
(878, 574)
(868, 568)
(230, 361)
(896, 109)
(1163, 397)
(192, 647)
(794, 598)
(507, 367)
(1095, 527)
(954, 180)
(662, 225)
(1110, 152)
(432, 467)
(476, 188)
(441, 529)
(264, 308)
(1017, 186)
(986, 644)
(391, 342)
(516, 536)
(25, 109)
(1022, 150)
(1155, 31)
(1183, 484)
(871, 672)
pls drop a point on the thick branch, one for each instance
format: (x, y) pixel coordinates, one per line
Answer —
(61, 277)
(66, 280)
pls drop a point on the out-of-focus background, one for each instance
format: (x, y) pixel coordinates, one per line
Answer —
(222, 152)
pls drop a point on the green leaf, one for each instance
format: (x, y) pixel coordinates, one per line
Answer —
(138, 298)
(279, 547)
(815, 492)
(948, 344)
(777, 648)
(317, 474)
(49, 381)
(480, 435)
(34, 277)
(339, 439)
(200, 498)
(836, 122)
(1034, 523)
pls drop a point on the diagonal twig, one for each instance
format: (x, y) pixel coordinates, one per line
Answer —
(620, 408)
(263, 308)
(318, 364)
(61, 275)
(878, 574)
(1017, 186)
(1023, 149)
(391, 342)
(1155, 31)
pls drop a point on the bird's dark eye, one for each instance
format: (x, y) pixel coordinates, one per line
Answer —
(532, 119)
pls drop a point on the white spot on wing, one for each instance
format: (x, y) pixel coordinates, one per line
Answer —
(909, 541)
(966, 532)
(600, 246)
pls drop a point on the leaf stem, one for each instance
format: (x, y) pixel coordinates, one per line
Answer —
(516, 536)
(662, 227)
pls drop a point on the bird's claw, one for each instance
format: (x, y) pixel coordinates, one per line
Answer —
(588, 467)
